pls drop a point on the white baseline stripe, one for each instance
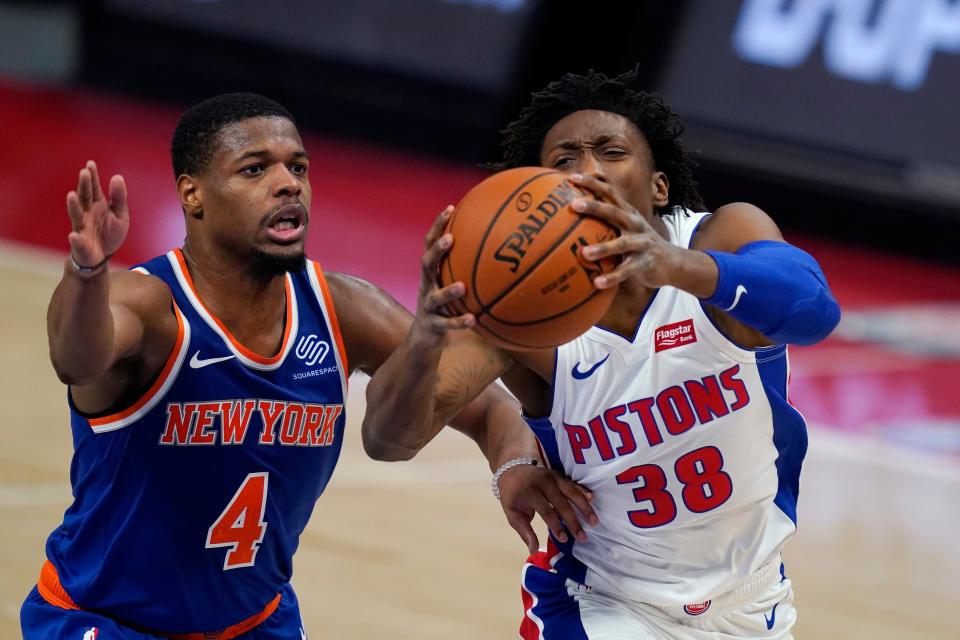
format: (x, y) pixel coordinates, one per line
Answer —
(29, 258)
(20, 496)
(826, 441)
(34, 495)
(355, 473)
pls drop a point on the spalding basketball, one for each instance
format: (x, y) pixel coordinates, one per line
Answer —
(516, 247)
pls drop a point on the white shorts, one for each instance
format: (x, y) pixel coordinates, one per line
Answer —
(556, 608)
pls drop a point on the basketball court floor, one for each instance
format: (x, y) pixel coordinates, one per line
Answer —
(420, 550)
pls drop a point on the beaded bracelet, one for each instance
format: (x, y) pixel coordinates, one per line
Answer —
(509, 464)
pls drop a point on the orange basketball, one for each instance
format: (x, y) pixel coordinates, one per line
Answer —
(516, 247)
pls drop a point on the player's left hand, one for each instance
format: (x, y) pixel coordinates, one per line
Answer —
(100, 220)
(645, 254)
(560, 502)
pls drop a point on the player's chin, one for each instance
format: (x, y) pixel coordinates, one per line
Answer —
(275, 260)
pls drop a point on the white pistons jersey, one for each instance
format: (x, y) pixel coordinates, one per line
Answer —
(687, 441)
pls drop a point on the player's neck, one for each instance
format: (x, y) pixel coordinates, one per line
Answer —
(252, 307)
(628, 307)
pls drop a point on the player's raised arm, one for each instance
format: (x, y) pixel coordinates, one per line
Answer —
(437, 384)
(762, 289)
(763, 282)
(96, 318)
(424, 378)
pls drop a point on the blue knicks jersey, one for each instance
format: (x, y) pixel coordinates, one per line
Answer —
(189, 504)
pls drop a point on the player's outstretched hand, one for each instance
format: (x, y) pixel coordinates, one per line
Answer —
(562, 504)
(645, 254)
(431, 320)
(100, 222)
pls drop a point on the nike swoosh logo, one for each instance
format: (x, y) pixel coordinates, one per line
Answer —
(736, 298)
(773, 617)
(583, 375)
(197, 363)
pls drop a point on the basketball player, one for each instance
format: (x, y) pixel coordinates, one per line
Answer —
(206, 393)
(673, 410)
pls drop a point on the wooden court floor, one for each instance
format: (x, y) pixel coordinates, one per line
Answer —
(420, 550)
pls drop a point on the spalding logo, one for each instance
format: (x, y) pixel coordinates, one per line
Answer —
(524, 200)
(514, 248)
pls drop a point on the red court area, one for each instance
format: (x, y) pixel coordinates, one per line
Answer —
(891, 371)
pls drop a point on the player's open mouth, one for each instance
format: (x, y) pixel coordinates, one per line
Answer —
(287, 224)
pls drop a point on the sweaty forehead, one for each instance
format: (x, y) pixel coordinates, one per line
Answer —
(590, 125)
(262, 133)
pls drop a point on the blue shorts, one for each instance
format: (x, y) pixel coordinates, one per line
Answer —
(40, 620)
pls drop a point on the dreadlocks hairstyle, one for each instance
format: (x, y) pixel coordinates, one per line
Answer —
(194, 139)
(523, 138)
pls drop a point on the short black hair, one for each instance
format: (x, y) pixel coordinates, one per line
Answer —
(198, 127)
(523, 138)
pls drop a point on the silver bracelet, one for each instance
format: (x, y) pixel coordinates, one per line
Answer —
(509, 464)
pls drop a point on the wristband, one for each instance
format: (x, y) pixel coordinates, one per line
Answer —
(88, 270)
(509, 464)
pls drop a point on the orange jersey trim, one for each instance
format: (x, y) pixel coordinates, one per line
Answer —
(233, 630)
(288, 290)
(334, 323)
(157, 384)
(53, 592)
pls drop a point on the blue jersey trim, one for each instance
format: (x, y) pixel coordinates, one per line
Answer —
(789, 428)
(697, 228)
(546, 435)
(568, 565)
(543, 430)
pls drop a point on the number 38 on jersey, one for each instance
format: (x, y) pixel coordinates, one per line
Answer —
(706, 486)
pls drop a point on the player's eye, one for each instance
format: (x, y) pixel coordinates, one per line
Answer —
(562, 161)
(298, 169)
(614, 152)
(253, 169)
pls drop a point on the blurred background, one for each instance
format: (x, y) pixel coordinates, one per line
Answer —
(837, 117)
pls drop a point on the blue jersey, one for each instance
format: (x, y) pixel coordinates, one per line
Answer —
(189, 504)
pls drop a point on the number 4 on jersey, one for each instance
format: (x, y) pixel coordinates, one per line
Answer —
(241, 525)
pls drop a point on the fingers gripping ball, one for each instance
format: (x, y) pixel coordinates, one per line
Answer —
(517, 249)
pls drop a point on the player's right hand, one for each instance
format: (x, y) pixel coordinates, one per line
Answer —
(561, 503)
(432, 320)
(100, 224)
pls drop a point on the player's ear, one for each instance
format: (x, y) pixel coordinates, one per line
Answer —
(190, 195)
(660, 188)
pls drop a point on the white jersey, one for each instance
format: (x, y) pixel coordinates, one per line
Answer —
(688, 443)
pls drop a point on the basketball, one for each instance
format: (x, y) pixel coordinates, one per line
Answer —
(516, 247)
